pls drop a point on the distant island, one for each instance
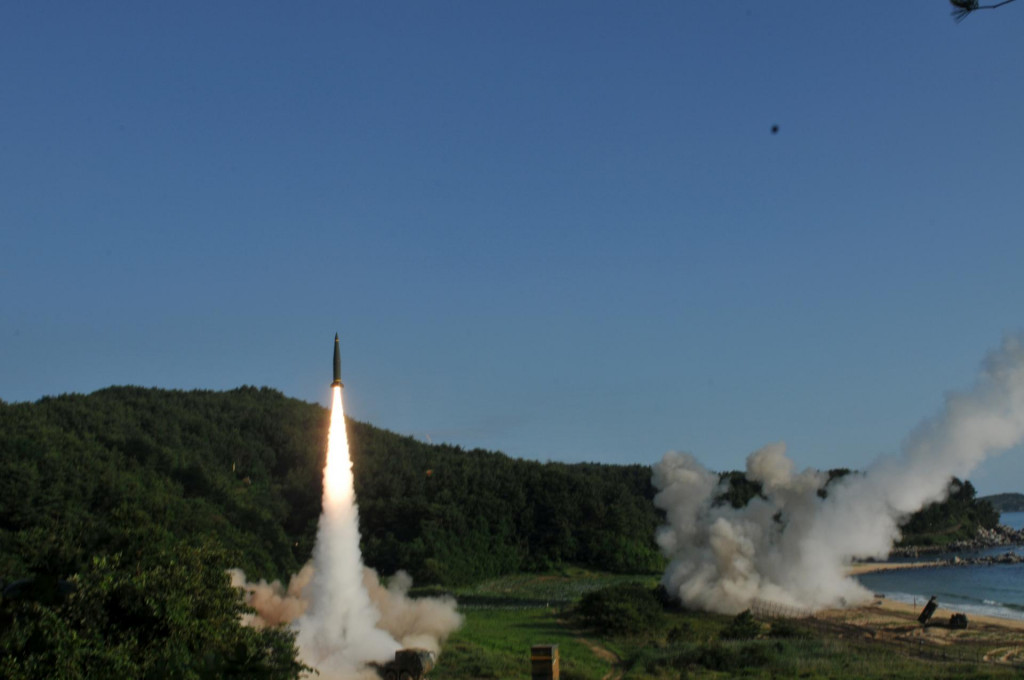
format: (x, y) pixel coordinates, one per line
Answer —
(1006, 502)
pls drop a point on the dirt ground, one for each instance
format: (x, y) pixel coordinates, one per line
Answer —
(888, 615)
(988, 637)
(887, 610)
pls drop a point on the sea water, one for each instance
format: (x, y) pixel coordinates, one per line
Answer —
(992, 590)
(1014, 520)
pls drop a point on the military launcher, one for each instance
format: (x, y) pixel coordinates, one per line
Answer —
(408, 664)
(928, 610)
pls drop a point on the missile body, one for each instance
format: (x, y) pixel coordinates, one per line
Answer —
(337, 363)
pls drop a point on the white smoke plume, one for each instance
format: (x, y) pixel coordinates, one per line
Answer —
(274, 604)
(792, 546)
(424, 623)
(343, 617)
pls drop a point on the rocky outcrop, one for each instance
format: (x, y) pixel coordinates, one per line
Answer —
(985, 538)
(1005, 558)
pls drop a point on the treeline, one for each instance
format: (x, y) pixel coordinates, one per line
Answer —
(956, 518)
(119, 514)
(80, 474)
(456, 516)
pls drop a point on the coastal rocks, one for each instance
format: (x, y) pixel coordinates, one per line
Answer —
(1005, 558)
(955, 561)
(1001, 535)
(985, 538)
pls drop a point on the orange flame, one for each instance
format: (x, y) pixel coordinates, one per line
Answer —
(338, 468)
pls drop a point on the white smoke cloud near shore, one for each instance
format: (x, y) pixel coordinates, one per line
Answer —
(792, 546)
(343, 617)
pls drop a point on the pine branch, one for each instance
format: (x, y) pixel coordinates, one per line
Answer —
(961, 8)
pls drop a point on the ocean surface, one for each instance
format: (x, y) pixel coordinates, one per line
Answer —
(992, 590)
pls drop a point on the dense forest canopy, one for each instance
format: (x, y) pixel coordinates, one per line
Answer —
(956, 518)
(243, 469)
(80, 475)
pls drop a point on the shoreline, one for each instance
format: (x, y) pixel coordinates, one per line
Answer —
(1002, 536)
(904, 610)
(884, 603)
(932, 556)
(1009, 557)
(859, 568)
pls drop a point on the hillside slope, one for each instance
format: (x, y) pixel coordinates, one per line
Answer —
(79, 473)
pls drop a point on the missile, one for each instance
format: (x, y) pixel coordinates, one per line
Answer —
(337, 363)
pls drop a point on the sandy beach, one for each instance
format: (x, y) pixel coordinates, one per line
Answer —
(992, 639)
(887, 608)
(898, 620)
(890, 608)
(869, 567)
(1000, 640)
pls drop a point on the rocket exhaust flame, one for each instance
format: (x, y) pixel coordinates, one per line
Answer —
(792, 546)
(343, 617)
(338, 489)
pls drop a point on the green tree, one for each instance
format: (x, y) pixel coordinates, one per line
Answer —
(962, 8)
(627, 609)
(742, 627)
(169, 614)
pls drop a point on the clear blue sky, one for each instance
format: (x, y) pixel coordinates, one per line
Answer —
(560, 230)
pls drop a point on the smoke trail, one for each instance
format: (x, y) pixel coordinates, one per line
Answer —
(338, 633)
(792, 546)
(343, 617)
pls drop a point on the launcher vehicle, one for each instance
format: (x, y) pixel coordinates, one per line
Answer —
(928, 610)
(408, 664)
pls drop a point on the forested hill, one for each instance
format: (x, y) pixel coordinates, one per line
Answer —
(83, 476)
(87, 475)
(1006, 502)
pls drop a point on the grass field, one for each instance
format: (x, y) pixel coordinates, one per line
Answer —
(505, 617)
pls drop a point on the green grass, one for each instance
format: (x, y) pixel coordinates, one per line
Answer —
(816, 658)
(558, 589)
(506, 616)
(495, 643)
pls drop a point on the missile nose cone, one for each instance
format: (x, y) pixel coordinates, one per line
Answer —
(337, 362)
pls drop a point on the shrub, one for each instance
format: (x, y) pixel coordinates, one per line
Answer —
(715, 656)
(784, 628)
(680, 633)
(627, 609)
(743, 627)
